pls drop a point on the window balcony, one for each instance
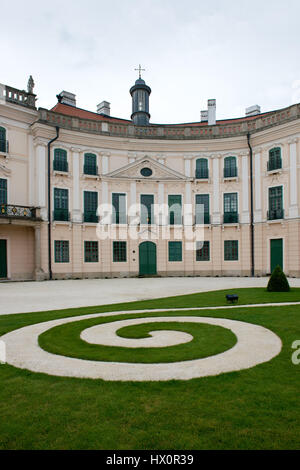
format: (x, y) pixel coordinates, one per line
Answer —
(202, 220)
(231, 218)
(90, 170)
(275, 214)
(59, 165)
(3, 146)
(18, 212)
(230, 172)
(90, 217)
(61, 215)
(202, 174)
(274, 165)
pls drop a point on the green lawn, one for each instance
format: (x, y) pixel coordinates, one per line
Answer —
(251, 409)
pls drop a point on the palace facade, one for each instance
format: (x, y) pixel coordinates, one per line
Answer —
(87, 195)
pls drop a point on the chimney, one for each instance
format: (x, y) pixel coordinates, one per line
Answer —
(253, 110)
(65, 97)
(212, 108)
(204, 116)
(103, 108)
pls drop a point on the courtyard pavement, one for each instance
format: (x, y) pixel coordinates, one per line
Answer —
(21, 297)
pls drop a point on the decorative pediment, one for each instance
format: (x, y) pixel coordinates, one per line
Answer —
(147, 169)
(4, 170)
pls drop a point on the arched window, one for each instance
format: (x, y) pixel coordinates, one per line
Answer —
(201, 168)
(60, 162)
(90, 164)
(230, 168)
(275, 161)
(3, 142)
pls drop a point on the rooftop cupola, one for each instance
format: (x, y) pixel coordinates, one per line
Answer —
(140, 93)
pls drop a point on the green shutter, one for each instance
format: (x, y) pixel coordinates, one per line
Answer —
(3, 145)
(275, 203)
(61, 204)
(175, 209)
(175, 251)
(230, 168)
(3, 191)
(147, 258)
(230, 208)
(276, 248)
(119, 208)
(202, 209)
(147, 209)
(201, 168)
(90, 164)
(90, 206)
(275, 161)
(60, 160)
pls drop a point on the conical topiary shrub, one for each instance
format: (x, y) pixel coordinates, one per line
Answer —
(278, 281)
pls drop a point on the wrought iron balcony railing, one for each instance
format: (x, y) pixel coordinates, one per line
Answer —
(3, 145)
(230, 172)
(274, 164)
(201, 174)
(202, 218)
(275, 214)
(90, 170)
(61, 215)
(90, 217)
(230, 218)
(60, 165)
(19, 212)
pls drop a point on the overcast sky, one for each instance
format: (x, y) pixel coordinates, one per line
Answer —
(240, 52)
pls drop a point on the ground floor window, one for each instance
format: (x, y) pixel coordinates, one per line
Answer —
(119, 252)
(231, 250)
(202, 251)
(61, 249)
(91, 253)
(175, 251)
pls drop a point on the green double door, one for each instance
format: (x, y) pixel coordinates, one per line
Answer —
(3, 259)
(276, 248)
(147, 257)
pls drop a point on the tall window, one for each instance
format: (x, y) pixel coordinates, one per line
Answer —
(175, 209)
(275, 203)
(230, 168)
(119, 252)
(90, 164)
(61, 204)
(60, 162)
(119, 208)
(202, 251)
(147, 209)
(90, 206)
(3, 191)
(231, 208)
(175, 251)
(202, 168)
(202, 209)
(91, 254)
(3, 142)
(61, 251)
(274, 162)
(231, 250)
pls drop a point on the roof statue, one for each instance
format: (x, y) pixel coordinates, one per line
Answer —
(30, 84)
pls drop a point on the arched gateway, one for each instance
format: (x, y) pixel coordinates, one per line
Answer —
(147, 258)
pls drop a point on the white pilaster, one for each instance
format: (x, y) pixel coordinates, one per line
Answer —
(293, 209)
(31, 179)
(41, 174)
(161, 204)
(257, 188)
(245, 190)
(187, 166)
(76, 213)
(105, 165)
(216, 216)
(187, 207)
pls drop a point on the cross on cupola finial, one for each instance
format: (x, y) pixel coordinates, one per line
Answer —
(140, 70)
